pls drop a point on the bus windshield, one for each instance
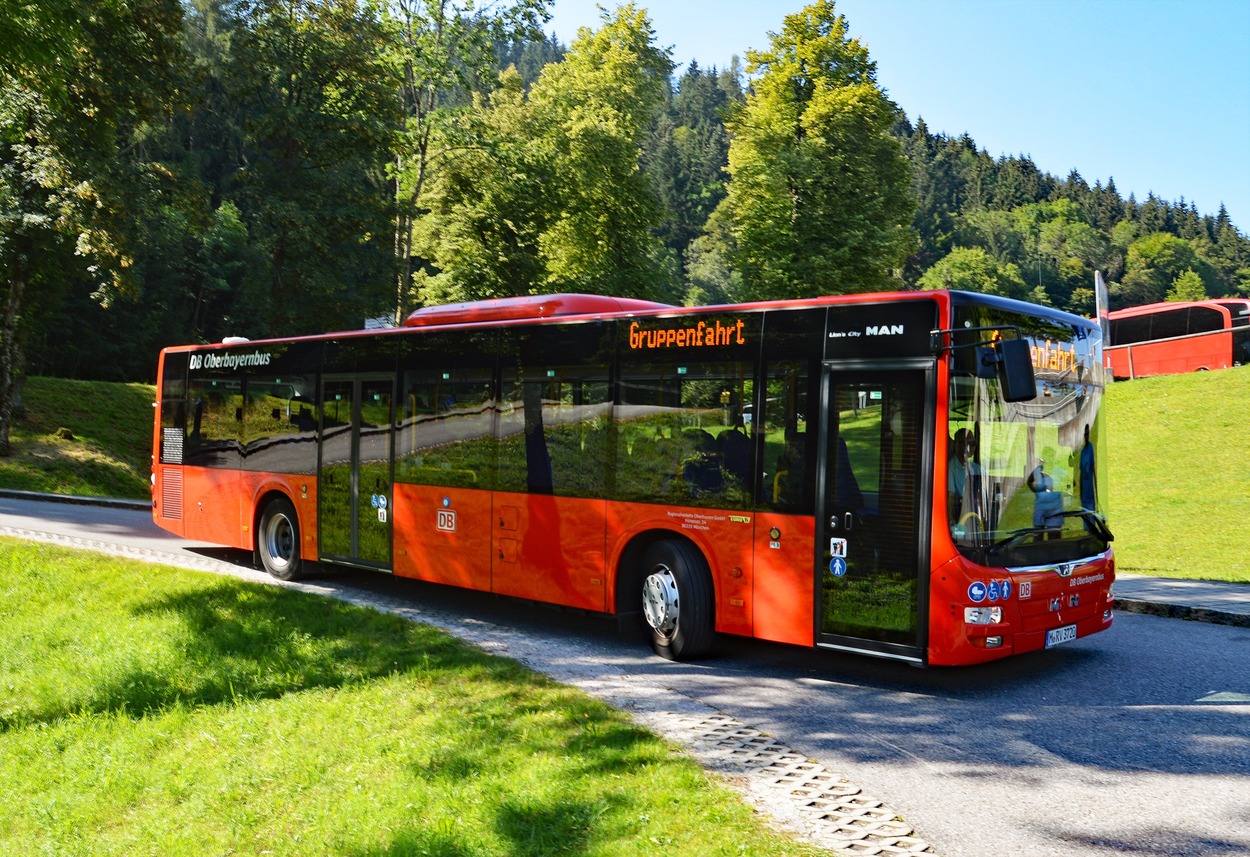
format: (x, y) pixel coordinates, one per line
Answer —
(1025, 481)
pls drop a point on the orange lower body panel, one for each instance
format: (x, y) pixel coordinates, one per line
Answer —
(550, 549)
(538, 547)
(218, 506)
(1033, 604)
(443, 535)
(785, 580)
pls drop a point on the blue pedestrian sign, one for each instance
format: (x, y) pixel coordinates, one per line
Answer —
(837, 565)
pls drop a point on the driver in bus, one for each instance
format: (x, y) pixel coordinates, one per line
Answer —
(961, 470)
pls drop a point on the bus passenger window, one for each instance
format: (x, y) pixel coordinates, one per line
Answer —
(214, 426)
(279, 432)
(446, 426)
(683, 436)
(788, 445)
(553, 432)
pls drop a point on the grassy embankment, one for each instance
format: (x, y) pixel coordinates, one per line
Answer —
(157, 711)
(1180, 474)
(1179, 461)
(110, 454)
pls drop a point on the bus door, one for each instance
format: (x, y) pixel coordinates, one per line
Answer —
(354, 494)
(871, 560)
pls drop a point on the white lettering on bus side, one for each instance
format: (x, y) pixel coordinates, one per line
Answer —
(214, 360)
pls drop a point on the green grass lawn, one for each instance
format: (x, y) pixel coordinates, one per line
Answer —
(149, 710)
(1179, 473)
(110, 454)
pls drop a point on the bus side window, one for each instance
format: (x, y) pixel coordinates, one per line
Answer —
(215, 425)
(278, 432)
(576, 413)
(683, 435)
(174, 409)
(446, 425)
(787, 474)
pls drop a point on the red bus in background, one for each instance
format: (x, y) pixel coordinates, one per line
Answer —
(916, 476)
(1175, 337)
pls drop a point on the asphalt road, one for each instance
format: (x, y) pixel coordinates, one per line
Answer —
(1135, 741)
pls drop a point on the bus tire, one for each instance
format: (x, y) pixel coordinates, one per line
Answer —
(278, 540)
(677, 600)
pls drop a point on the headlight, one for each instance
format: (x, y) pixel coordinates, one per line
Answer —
(983, 615)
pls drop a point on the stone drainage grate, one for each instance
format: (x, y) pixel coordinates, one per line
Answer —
(829, 810)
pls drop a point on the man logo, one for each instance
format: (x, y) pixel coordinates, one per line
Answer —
(884, 330)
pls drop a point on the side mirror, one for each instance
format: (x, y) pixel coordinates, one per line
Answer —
(1013, 360)
(1010, 361)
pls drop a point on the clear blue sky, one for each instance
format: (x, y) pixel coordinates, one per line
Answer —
(1152, 93)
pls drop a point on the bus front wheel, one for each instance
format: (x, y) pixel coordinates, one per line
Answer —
(278, 540)
(677, 600)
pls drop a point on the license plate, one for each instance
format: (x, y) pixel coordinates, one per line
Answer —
(1066, 634)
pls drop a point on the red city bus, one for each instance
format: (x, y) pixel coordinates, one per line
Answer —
(1175, 337)
(785, 471)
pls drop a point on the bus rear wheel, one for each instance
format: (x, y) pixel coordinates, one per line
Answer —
(278, 540)
(677, 600)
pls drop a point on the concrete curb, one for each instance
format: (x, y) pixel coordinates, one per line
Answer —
(1181, 611)
(109, 502)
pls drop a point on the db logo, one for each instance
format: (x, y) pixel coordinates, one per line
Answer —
(446, 520)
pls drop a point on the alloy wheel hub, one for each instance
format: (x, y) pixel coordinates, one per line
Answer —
(659, 600)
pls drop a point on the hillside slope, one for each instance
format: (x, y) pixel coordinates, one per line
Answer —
(1179, 473)
(110, 453)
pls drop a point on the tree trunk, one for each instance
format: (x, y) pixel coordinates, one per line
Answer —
(10, 353)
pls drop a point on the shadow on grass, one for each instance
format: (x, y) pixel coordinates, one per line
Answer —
(235, 642)
(431, 843)
(529, 830)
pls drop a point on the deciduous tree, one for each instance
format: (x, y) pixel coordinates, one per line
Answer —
(545, 192)
(1188, 287)
(590, 114)
(71, 99)
(441, 51)
(971, 269)
(319, 118)
(1152, 265)
(819, 195)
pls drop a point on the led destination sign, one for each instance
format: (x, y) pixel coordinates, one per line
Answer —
(1054, 356)
(700, 334)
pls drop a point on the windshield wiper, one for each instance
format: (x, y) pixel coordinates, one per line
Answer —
(1019, 536)
(1094, 521)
